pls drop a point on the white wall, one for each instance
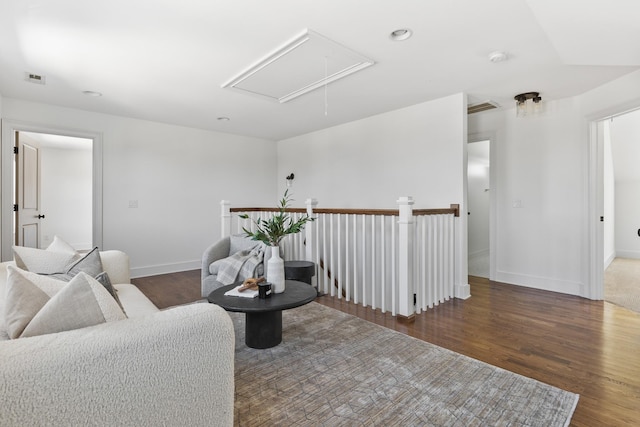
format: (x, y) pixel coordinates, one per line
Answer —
(543, 163)
(178, 176)
(417, 151)
(369, 163)
(66, 196)
(539, 175)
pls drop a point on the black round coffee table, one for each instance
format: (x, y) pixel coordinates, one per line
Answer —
(263, 317)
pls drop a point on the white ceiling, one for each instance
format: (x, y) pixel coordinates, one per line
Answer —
(166, 60)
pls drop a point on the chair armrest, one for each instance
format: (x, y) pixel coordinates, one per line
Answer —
(217, 251)
(173, 367)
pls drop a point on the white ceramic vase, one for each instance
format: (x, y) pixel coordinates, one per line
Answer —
(275, 271)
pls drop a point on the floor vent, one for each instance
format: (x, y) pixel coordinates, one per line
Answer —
(483, 106)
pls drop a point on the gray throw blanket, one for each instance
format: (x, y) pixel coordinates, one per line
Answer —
(240, 265)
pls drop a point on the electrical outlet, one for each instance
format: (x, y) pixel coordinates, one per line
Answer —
(133, 203)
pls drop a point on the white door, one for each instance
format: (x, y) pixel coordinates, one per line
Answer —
(28, 215)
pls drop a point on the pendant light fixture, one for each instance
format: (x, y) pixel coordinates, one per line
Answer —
(528, 104)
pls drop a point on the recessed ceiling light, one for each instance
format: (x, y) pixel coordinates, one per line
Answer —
(400, 34)
(224, 119)
(91, 93)
(497, 56)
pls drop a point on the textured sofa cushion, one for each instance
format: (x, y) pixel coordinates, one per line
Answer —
(116, 264)
(42, 261)
(170, 368)
(91, 264)
(58, 255)
(45, 305)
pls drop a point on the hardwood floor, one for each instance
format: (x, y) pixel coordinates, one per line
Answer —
(587, 347)
(167, 290)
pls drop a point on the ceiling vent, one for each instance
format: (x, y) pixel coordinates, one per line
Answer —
(306, 63)
(483, 106)
(35, 78)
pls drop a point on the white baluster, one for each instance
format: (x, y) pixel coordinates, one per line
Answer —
(383, 265)
(405, 254)
(355, 258)
(373, 262)
(324, 253)
(394, 263)
(332, 263)
(423, 262)
(364, 260)
(311, 245)
(347, 260)
(337, 270)
(452, 240)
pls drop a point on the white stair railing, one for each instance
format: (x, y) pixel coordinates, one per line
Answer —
(402, 261)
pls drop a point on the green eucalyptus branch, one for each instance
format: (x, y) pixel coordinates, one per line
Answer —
(271, 231)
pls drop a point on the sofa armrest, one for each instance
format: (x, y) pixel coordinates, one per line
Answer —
(174, 367)
(116, 264)
(217, 251)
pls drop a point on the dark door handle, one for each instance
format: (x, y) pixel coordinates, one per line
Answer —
(40, 216)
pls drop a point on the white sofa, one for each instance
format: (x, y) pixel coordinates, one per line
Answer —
(156, 368)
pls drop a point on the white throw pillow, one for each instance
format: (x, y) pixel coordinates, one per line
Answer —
(58, 255)
(38, 305)
(59, 245)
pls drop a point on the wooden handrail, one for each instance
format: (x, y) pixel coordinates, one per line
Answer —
(454, 209)
(290, 210)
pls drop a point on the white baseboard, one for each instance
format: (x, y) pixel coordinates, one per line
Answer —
(627, 254)
(154, 270)
(542, 283)
(609, 260)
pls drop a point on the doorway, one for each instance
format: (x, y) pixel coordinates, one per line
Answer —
(479, 203)
(71, 160)
(604, 214)
(621, 186)
(62, 190)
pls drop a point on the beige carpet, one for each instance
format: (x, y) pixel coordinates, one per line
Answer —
(334, 369)
(622, 283)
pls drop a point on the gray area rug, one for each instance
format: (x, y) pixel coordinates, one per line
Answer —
(334, 369)
(622, 283)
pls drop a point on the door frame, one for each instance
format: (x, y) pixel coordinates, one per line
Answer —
(595, 197)
(9, 129)
(493, 198)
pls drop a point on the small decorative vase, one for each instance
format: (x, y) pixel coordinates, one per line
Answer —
(275, 271)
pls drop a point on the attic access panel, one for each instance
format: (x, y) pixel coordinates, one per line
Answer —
(306, 63)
